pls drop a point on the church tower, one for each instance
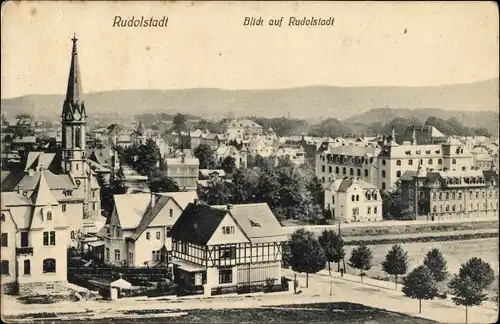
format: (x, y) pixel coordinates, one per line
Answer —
(73, 120)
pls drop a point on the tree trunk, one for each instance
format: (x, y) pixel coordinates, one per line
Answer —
(466, 315)
(329, 268)
(345, 269)
(420, 306)
(361, 275)
(338, 266)
(307, 279)
(396, 282)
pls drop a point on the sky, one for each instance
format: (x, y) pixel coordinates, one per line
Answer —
(206, 45)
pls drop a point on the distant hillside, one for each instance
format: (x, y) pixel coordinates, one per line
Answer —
(476, 119)
(305, 102)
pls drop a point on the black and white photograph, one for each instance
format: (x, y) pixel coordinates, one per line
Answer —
(249, 162)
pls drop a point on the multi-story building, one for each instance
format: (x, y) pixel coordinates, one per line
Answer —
(384, 165)
(183, 170)
(239, 156)
(353, 200)
(138, 231)
(482, 158)
(241, 128)
(450, 194)
(34, 241)
(297, 156)
(227, 246)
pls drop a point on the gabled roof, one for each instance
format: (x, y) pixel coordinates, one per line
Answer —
(11, 180)
(344, 185)
(34, 160)
(41, 195)
(130, 208)
(197, 223)
(182, 198)
(257, 222)
(149, 215)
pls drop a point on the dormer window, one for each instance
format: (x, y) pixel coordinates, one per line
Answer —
(254, 224)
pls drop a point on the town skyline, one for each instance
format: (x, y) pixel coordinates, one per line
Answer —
(211, 55)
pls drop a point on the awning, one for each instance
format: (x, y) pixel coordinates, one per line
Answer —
(95, 244)
(188, 266)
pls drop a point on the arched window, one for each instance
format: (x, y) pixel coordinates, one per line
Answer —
(351, 171)
(453, 195)
(440, 195)
(344, 170)
(434, 195)
(78, 140)
(357, 197)
(440, 161)
(383, 185)
(459, 195)
(375, 196)
(383, 173)
(398, 174)
(430, 161)
(49, 265)
(366, 173)
(454, 161)
(398, 162)
(410, 162)
(358, 172)
(383, 162)
(353, 197)
(72, 235)
(330, 169)
(368, 196)
(336, 169)
(49, 215)
(322, 168)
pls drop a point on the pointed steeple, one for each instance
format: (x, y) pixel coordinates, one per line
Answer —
(73, 103)
(140, 129)
(41, 195)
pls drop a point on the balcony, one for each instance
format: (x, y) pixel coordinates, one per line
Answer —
(24, 250)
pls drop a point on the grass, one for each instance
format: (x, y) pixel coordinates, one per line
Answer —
(297, 313)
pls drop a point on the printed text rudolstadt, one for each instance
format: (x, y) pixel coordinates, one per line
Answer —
(292, 21)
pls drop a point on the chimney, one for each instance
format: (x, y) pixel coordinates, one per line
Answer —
(20, 188)
(31, 172)
(229, 206)
(153, 200)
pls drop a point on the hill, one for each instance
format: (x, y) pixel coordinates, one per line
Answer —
(305, 102)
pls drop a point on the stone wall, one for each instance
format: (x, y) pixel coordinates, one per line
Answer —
(43, 288)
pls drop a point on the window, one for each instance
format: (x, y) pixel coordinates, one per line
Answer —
(383, 173)
(344, 170)
(440, 195)
(459, 195)
(27, 267)
(24, 239)
(383, 162)
(336, 169)
(322, 168)
(398, 162)
(398, 174)
(5, 239)
(351, 171)
(49, 238)
(63, 207)
(117, 255)
(49, 215)
(366, 173)
(434, 209)
(225, 276)
(447, 194)
(375, 197)
(440, 161)
(3, 217)
(5, 268)
(49, 265)
(383, 185)
(93, 193)
(375, 210)
(353, 198)
(227, 252)
(168, 230)
(107, 254)
(171, 212)
(369, 210)
(158, 235)
(359, 173)
(454, 161)
(430, 161)
(330, 169)
(228, 230)
(93, 206)
(357, 197)
(156, 255)
(148, 236)
(410, 162)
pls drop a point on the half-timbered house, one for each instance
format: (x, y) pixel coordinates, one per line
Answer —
(227, 247)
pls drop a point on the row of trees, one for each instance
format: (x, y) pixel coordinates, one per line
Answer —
(288, 191)
(305, 253)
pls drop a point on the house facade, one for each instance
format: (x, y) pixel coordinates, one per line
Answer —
(353, 200)
(450, 194)
(183, 170)
(138, 231)
(34, 242)
(227, 247)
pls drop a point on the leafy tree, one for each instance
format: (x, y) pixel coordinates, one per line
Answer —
(307, 254)
(467, 292)
(436, 264)
(119, 182)
(205, 155)
(245, 184)
(217, 192)
(228, 164)
(315, 188)
(147, 157)
(179, 123)
(478, 271)
(333, 245)
(260, 162)
(396, 262)
(162, 183)
(286, 255)
(361, 259)
(392, 204)
(419, 284)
